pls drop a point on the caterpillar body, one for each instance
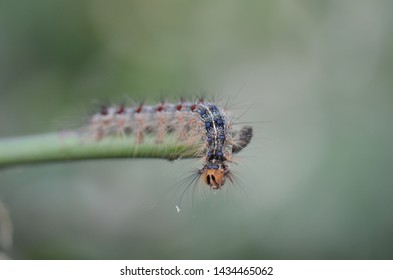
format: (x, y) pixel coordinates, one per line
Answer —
(201, 122)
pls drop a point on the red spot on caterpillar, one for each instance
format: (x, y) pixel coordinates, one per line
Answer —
(120, 110)
(179, 107)
(139, 109)
(104, 110)
(193, 107)
(160, 107)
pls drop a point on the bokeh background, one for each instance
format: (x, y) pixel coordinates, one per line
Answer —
(314, 78)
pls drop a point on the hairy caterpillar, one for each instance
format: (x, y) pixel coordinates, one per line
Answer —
(200, 122)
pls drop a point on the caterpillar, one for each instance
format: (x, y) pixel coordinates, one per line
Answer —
(202, 122)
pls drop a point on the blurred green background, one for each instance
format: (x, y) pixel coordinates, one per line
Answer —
(315, 79)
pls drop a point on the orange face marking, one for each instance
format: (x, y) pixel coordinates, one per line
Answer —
(215, 178)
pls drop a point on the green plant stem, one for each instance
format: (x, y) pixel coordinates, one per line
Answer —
(69, 146)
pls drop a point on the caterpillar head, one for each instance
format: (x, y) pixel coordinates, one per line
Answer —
(215, 174)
